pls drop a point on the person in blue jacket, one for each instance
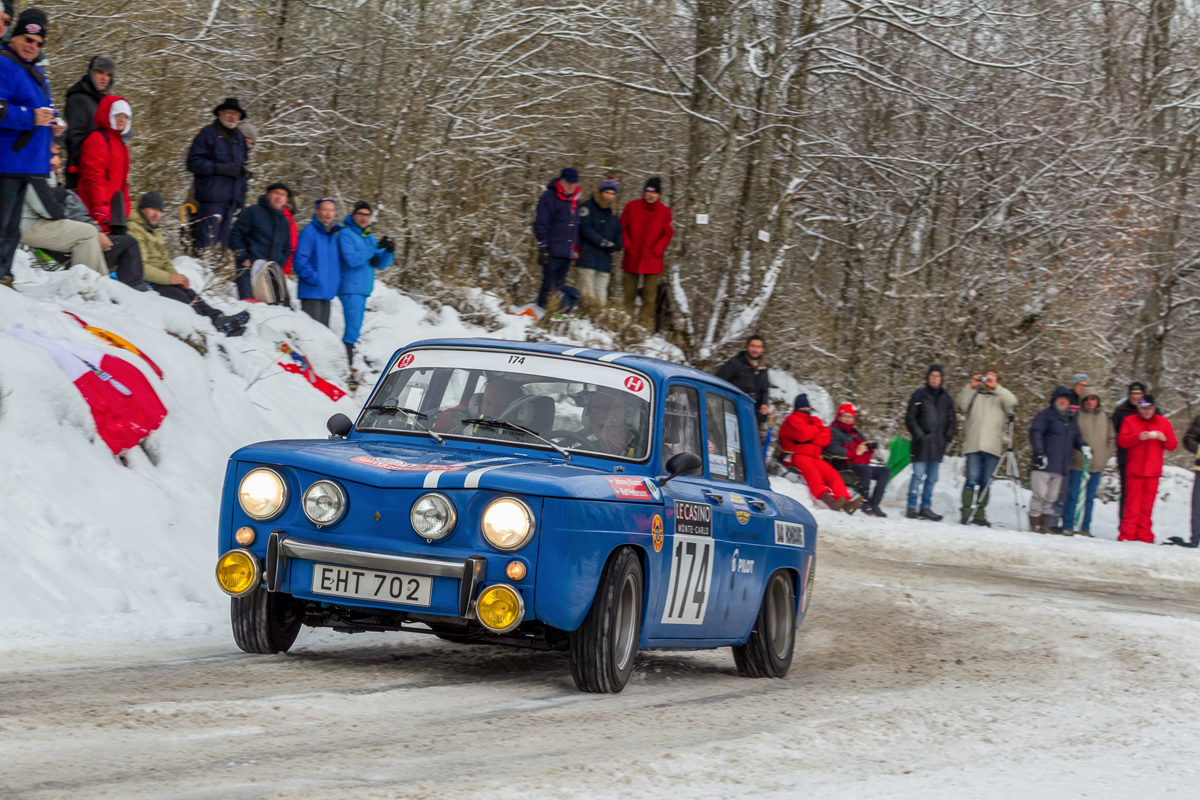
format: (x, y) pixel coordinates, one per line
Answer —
(600, 229)
(217, 159)
(318, 261)
(556, 228)
(361, 256)
(26, 128)
(261, 232)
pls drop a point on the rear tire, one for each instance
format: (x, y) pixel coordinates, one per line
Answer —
(605, 646)
(768, 651)
(265, 622)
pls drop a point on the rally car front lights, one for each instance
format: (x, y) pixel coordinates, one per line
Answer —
(507, 524)
(500, 608)
(245, 536)
(433, 516)
(262, 494)
(238, 573)
(324, 503)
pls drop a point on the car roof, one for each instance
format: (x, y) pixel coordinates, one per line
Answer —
(656, 368)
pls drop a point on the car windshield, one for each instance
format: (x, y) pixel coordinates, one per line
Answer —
(582, 406)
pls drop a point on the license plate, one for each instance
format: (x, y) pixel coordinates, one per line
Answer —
(369, 584)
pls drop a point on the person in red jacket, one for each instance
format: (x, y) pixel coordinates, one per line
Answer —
(802, 437)
(104, 163)
(850, 450)
(646, 232)
(1145, 436)
(289, 211)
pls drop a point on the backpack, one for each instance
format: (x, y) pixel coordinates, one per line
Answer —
(268, 285)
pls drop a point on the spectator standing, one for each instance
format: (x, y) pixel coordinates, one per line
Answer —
(289, 211)
(1053, 435)
(318, 261)
(260, 233)
(1191, 443)
(1126, 409)
(6, 17)
(83, 98)
(1080, 385)
(361, 255)
(104, 165)
(931, 421)
(600, 229)
(802, 438)
(748, 371)
(1145, 436)
(217, 159)
(250, 132)
(647, 231)
(161, 274)
(26, 127)
(986, 407)
(1097, 429)
(556, 228)
(849, 449)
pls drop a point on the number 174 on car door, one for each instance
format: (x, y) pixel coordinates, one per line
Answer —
(691, 575)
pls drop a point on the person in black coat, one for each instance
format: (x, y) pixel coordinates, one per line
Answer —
(1191, 443)
(600, 230)
(82, 100)
(748, 371)
(261, 232)
(1053, 437)
(931, 421)
(217, 159)
(1126, 408)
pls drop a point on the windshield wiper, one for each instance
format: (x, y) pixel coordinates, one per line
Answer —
(412, 417)
(512, 426)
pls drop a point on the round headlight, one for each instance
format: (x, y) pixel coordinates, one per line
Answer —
(238, 573)
(500, 608)
(507, 524)
(433, 516)
(324, 503)
(263, 494)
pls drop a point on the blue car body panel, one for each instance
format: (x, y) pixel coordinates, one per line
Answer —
(721, 538)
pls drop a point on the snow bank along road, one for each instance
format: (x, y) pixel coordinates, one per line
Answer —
(919, 676)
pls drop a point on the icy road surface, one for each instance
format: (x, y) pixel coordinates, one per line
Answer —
(912, 680)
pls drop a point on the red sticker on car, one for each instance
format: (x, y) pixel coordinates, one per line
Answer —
(405, 360)
(629, 488)
(396, 465)
(634, 384)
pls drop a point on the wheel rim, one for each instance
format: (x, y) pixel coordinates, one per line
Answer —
(624, 640)
(779, 615)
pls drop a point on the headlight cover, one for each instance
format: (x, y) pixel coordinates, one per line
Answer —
(500, 608)
(507, 524)
(324, 503)
(238, 573)
(262, 494)
(433, 516)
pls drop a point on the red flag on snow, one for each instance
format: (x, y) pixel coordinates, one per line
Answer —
(299, 365)
(116, 341)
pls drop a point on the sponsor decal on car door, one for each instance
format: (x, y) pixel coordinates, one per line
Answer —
(692, 551)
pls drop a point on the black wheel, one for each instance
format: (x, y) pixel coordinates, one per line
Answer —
(604, 647)
(768, 651)
(264, 622)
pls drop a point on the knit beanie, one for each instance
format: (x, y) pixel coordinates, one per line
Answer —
(1137, 386)
(569, 174)
(32, 21)
(654, 185)
(361, 205)
(1079, 377)
(609, 184)
(934, 368)
(847, 408)
(151, 200)
(801, 402)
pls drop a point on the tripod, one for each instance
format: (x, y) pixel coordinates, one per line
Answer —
(1008, 463)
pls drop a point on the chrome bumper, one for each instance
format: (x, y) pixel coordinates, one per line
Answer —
(281, 547)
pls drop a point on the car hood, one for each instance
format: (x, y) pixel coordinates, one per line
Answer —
(402, 466)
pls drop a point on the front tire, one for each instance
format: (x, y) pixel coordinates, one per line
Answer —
(265, 622)
(768, 651)
(605, 646)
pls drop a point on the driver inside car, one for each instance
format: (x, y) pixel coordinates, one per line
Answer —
(608, 432)
(498, 395)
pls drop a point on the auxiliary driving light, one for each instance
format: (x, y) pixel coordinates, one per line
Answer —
(244, 536)
(262, 494)
(507, 524)
(238, 573)
(500, 608)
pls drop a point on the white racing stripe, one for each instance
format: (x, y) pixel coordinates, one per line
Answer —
(432, 478)
(473, 477)
(613, 356)
(574, 351)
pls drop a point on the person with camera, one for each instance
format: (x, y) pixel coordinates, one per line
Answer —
(802, 439)
(1146, 437)
(987, 408)
(1053, 435)
(361, 256)
(849, 450)
(217, 159)
(931, 421)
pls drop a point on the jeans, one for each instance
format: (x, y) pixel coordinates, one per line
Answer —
(214, 221)
(554, 275)
(980, 468)
(12, 200)
(870, 472)
(1089, 497)
(927, 472)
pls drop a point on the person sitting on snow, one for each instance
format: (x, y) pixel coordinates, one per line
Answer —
(849, 449)
(802, 437)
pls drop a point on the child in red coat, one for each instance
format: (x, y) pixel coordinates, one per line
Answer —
(1145, 436)
(802, 437)
(104, 161)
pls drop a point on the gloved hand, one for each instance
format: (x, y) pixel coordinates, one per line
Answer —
(543, 254)
(245, 173)
(607, 246)
(1087, 452)
(230, 170)
(375, 261)
(386, 244)
(1040, 461)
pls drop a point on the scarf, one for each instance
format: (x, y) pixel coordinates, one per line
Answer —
(573, 199)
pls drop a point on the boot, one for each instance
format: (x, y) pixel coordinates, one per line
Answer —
(968, 502)
(7, 280)
(1084, 533)
(834, 503)
(1068, 532)
(229, 326)
(981, 522)
(1038, 523)
(911, 513)
(875, 509)
(927, 513)
(853, 505)
(242, 317)
(349, 353)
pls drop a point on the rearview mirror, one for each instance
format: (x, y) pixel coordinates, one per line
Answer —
(683, 464)
(339, 426)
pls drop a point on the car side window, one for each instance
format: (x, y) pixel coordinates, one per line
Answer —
(681, 423)
(726, 461)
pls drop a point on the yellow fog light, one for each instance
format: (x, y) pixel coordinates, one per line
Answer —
(244, 536)
(238, 573)
(515, 570)
(500, 608)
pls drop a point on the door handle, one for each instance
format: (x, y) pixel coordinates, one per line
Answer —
(714, 496)
(761, 505)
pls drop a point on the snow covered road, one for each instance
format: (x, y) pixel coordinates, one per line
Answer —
(917, 678)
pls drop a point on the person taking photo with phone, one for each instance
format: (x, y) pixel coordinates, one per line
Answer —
(987, 408)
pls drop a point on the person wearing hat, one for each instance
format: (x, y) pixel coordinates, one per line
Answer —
(802, 438)
(27, 127)
(104, 165)
(1127, 408)
(852, 451)
(600, 229)
(931, 422)
(217, 160)
(987, 407)
(1146, 436)
(1191, 443)
(1097, 429)
(361, 255)
(83, 98)
(261, 233)
(1053, 436)
(646, 226)
(556, 228)
(318, 261)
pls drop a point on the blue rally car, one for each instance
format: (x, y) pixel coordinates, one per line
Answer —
(525, 494)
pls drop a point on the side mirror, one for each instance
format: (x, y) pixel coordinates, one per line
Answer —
(683, 464)
(339, 426)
